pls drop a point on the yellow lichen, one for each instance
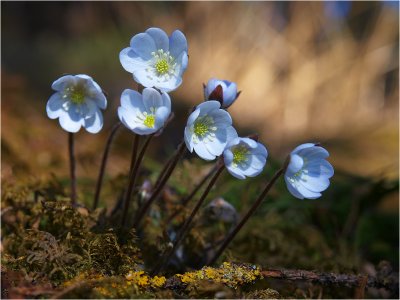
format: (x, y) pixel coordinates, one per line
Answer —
(232, 275)
(143, 281)
(187, 277)
(157, 281)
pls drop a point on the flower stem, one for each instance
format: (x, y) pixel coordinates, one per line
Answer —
(103, 164)
(139, 161)
(190, 196)
(143, 210)
(72, 167)
(254, 207)
(163, 171)
(184, 229)
(130, 187)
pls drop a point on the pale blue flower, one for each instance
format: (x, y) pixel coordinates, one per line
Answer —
(308, 172)
(77, 102)
(244, 157)
(208, 130)
(223, 91)
(156, 60)
(144, 113)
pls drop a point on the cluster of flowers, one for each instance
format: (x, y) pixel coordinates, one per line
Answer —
(158, 62)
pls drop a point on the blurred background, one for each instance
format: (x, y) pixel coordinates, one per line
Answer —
(308, 71)
(325, 71)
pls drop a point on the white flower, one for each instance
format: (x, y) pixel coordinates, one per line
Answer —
(308, 173)
(156, 60)
(77, 102)
(245, 157)
(208, 130)
(144, 113)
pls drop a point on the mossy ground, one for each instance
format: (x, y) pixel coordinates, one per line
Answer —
(52, 249)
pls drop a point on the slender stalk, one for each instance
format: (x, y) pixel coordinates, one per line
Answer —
(139, 160)
(184, 230)
(130, 186)
(72, 167)
(103, 164)
(142, 212)
(163, 171)
(254, 207)
(191, 195)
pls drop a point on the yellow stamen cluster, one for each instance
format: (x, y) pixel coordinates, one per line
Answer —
(240, 154)
(149, 121)
(200, 129)
(75, 94)
(204, 126)
(162, 67)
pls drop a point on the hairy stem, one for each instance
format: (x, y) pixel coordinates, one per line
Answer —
(243, 221)
(103, 164)
(142, 212)
(139, 160)
(163, 171)
(72, 167)
(130, 186)
(191, 195)
(184, 229)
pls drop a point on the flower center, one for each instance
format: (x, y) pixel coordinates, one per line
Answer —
(75, 94)
(204, 126)
(149, 121)
(162, 67)
(240, 154)
(200, 129)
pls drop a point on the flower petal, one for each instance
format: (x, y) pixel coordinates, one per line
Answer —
(306, 192)
(143, 45)
(160, 38)
(221, 117)
(177, 43)
(202, 151)
(320, 167)
(166, 100)
(54, 106)
(193, 116)
(295, 164)
(314, 153)
(131, 61)
(231, 133)
(127, 118)
(217, 145)
(303, 146)
(188, 139)
(210, 87)
(232, 141)
(230, 93)
(68, 123)
(258, 161)
(292, 189)
(132, 100)
(228, 157)
(94, 123)
(208, 106)
(315, 184)
(151, 99)
(251, 143)
(161, 116)
(61, 83)
(183, 61)
(235, 172)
